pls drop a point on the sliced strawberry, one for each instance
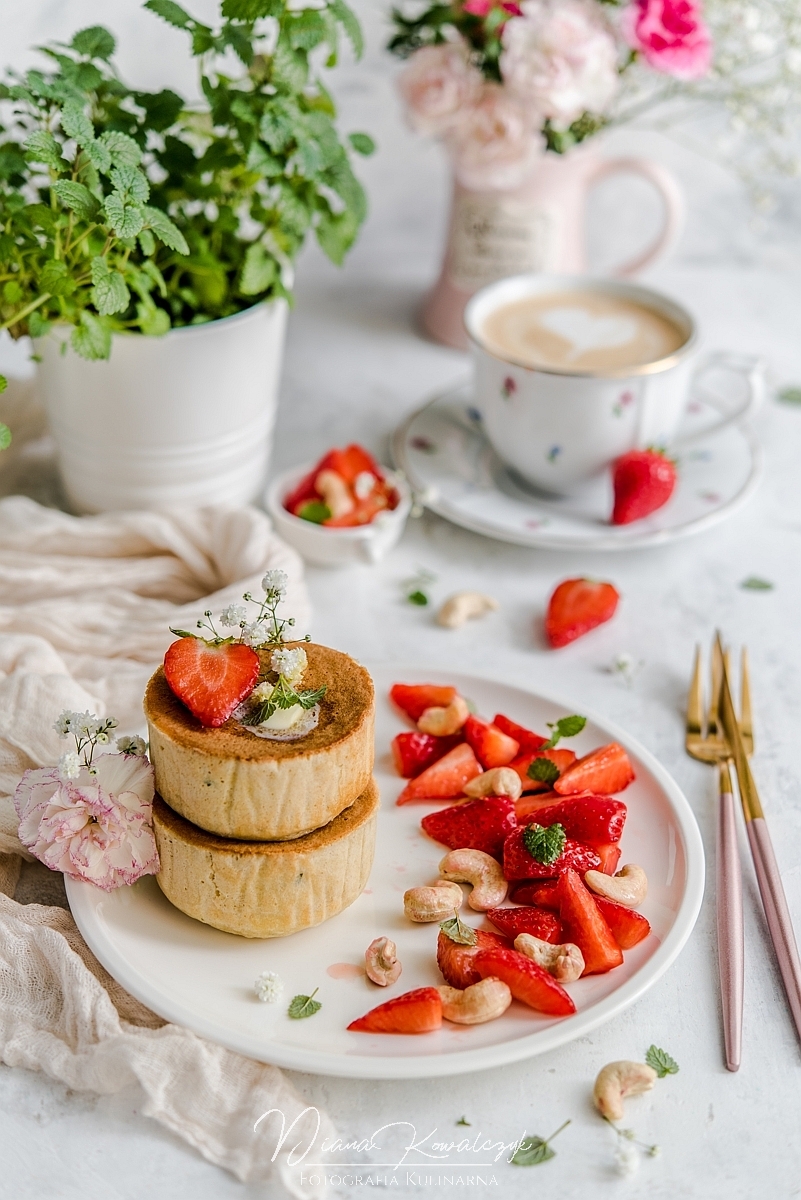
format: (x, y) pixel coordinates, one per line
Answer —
(415, 698)
(643, 481)
(576, 607)
(351, 462)
(211, 680)
(476, 825)
(456, 961)
(492, 747)
(519, 864)
(628, 927)
(604, 771)
(562, 760)
(412, 752)
(418, 1011)
(304, 493)
(540, 894)
(445, 780)
(609, 854)
(364, 511)
(537, 921)
(590, 819)
(525, 738)
(585, 925)
(526, 981)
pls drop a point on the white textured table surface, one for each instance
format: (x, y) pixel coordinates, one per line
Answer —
(355, 366)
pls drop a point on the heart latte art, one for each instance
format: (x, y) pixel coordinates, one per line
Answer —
(580, 331)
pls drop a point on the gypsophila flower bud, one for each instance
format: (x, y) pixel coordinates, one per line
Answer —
(268, 987)
(131, 744)
(233, 616)
(627, 1159)
(290, 663)
(64, 725)
(69, 765)
(275, 581)
(255, 634)
(102, 738)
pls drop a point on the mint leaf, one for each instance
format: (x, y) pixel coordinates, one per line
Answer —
(463, 1121)
(125, 217)
(349, 22)
(77, 197)
(304, 1006)
(5, 436)
(94, 42)
(457, 931)
(3, 384)
(417, 597)
(545, 844)
(790, 395)
(309, 698)
(165, 230)
(123, 150)
(661, 1062)
(131, 181)
(315, 511)
(77, 125)
(110, 292)
(258, 271)
(42, 147)
(543, 770)
(531, 1152)
(362, 143)
(754, 584)
(564, 727)
(170, 12)
(91, 339)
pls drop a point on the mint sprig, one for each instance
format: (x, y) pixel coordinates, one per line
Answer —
(284, 696)
(543, 770)
(457, 931)
(565, 727)
(304, 1006)
(535, 1150)
(545, 843)
(661, 1062)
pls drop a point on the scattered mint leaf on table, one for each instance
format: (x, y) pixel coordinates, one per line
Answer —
(543, 770)
(535, 1150)
(418, 597)
(304, 1006)
(463, 1121)
(564, 727)
(661, 1062)
(790, 395)
(457, 931)
(754, 584)
(545, 844)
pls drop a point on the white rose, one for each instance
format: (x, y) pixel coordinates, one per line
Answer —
(496, 141)
(436, 84)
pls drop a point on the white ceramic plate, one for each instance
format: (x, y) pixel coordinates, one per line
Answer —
(455, 472)
(203, 979)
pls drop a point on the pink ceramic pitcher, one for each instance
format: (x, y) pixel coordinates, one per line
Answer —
(538, 226)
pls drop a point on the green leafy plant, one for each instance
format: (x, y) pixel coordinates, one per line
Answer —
(126, 210)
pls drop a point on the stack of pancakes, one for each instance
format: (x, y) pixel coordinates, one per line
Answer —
(261, 837)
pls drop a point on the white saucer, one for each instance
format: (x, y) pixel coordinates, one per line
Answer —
(455, 472)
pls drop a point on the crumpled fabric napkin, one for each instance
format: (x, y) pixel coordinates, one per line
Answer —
(85, 609)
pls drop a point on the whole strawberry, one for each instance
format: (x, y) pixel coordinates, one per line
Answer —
(643, 480)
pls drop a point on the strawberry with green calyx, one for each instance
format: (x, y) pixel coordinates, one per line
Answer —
(576, 607)
(643, 481)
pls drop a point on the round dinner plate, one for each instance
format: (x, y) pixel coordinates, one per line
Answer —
(454, 471)
(203, 979)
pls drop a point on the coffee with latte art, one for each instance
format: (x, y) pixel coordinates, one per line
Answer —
(584, 331)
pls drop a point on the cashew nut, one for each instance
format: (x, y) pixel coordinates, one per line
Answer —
(499, 781)
(480, 870)
(444, 721)
(335, 493)
(482, 1001)
(565, 963)
(435, 903)
(629, 887)
(616, 1081)
(381, 961)
(465, 606)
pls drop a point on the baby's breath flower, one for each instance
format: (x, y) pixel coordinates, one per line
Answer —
(275, 581)
(233, 616)
(255, 634)
(627, 1158)
(64, 725)
(263, 691)
(131, 744)
(290, 663)
(69, 765)
(102, 738)
(268, 987)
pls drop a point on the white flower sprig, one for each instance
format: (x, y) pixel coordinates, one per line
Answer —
(266, 628)
(90, 732)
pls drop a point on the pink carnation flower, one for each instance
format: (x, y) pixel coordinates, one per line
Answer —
(437, 83)
(495, 143)
(670, 35)
(96, 827)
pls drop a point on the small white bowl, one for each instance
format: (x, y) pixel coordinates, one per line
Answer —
(338, 547)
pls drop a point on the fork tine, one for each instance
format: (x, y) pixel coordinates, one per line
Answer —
(746, 722)
(695, 699)
(716, 669)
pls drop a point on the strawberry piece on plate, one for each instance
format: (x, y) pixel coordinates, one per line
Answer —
(476, 825)
(415, 698)
(526, 980)
(413, 751)
(519, 863)
(525, 738)
(606, 770)
(561, 759)
(445, 779)
(643, 481)
(537, 921)
(211, 680)
(576, 607)
(609, 854)
(455, 961)
(540, 894)
(418, 1011)
(492, 747)
(628, 927)
(590, 819)
(585, 925)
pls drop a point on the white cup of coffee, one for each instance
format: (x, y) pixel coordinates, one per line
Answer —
(572, 372)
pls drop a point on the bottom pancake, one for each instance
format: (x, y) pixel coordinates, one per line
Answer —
(266, 889)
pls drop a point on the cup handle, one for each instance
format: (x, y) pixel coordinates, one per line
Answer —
(750, 368)
(672, 200)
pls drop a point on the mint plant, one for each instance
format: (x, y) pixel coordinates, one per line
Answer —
(126, 210)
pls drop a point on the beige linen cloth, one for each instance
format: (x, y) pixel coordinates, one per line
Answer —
(85, 609)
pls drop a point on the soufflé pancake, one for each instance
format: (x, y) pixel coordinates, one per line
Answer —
(234, 783)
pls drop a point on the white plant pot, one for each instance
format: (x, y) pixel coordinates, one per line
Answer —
(175, 421)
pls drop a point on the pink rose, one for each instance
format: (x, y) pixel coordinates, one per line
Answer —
(483, 8)
(495, 142)
(96, 827)
(670, 35)
(560, 57)
(436, 84)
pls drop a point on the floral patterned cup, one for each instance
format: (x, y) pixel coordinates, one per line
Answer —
(559, 428)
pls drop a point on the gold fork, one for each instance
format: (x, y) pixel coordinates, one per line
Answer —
(706, 742)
